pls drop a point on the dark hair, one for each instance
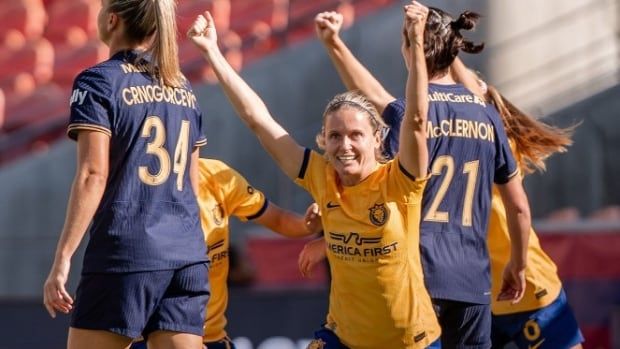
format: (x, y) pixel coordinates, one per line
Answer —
(443, 39)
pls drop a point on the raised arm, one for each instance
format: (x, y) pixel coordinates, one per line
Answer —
(352, 73)
(248, 105)
(465, 76)
(413, 153)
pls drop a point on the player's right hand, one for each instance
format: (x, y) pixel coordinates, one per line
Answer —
(202, 32)
(328, 25)
(55, 296)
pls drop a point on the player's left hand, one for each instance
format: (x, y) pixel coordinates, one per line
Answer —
(513, 284)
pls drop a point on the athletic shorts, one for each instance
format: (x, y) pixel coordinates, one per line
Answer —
(553, 326)
(327, 339)
(463, 325)
(135, 304)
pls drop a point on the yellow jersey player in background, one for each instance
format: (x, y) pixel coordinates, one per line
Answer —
(377, 298)
(543, 318)
(224, 193)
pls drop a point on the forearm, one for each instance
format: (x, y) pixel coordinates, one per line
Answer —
(465, 76)
(86, 193)
(519, 223)
(355, 76)
(414, 154)
(285, 223)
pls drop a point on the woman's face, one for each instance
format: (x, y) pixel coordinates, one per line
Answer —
(351, 144)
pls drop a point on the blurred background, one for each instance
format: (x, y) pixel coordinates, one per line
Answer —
(558, 60)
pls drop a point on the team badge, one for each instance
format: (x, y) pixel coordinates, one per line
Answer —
(218, 214)
(378, 214)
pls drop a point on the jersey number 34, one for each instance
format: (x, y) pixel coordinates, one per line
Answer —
(156, 147)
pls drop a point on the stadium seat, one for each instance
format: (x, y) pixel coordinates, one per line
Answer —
(44, 103)
(64, 15)
(35, 57)
(25, 16)
(71, 60)
(301, 17)
(2, 108)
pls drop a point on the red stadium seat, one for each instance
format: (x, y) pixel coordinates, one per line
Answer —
(26, 16)
(301, 17)
(71, 60)
(43, 103)
(2, 107)
(36, 58)
(64, 15)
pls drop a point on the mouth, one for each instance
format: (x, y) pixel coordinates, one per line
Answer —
(346, 158)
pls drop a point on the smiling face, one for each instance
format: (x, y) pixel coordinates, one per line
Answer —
(351, 144)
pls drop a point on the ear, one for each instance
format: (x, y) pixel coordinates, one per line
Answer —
(112, 21)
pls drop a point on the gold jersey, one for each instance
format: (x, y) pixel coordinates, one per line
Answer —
(377, 297)
(542, 282)
(223, 192)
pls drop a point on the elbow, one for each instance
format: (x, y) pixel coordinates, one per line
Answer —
(93, 178)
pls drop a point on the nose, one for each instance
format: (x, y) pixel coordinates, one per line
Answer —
(346, 142)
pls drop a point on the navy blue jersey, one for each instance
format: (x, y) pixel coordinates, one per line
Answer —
(148, 217)
(468, 152)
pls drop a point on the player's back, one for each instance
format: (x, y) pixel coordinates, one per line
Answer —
(468, 152)
(148, 216)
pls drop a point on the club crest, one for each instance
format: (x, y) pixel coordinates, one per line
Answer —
(378, 214)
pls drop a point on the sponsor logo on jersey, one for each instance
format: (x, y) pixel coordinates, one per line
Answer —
(455, 98)
(78, 96)
(354, 247)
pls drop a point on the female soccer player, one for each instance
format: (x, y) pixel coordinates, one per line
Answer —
(371, 209)
(468, 151)
(543, 318)
(138, 129)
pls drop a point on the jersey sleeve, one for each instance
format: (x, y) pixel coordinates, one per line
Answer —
(311, 175)
(239, 197)
(90, 104)
(505, 163)
(393, 116)
(404, 184)
(200, 139)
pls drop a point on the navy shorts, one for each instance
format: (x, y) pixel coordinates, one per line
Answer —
(135, 304)
(553, 326)
(463, 325)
